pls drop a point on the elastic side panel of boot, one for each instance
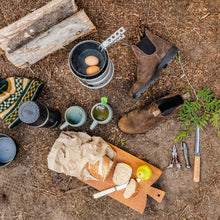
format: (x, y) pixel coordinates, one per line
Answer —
(146, 46)
(168, 105)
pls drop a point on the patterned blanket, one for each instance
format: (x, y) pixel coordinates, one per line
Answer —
(13, 92)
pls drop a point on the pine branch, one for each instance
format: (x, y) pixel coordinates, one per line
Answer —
(202, 112)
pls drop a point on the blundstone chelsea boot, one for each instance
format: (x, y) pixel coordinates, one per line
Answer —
(153, 54)
(142, 119)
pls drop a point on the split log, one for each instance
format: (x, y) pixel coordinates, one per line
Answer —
(61, 34)
(22, 31)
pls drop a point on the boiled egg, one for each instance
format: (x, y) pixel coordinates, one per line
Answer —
(92, 61)
(92, 70)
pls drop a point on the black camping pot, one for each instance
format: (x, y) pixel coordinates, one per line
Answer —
(93, 48)
(78, 66)
(38, 115)
(81, 51)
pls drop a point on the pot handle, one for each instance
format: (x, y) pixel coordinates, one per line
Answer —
(117, 36)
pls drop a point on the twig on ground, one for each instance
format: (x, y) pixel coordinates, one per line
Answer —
(42, 148)
(67, 185)
(195, 207)
(36, 139)
(197, 33)
(23, 146)
(119, 138)
(205, 193)
(42, 190)
(76, 189)
(4, 17)
(208, 187)
(217, 190)
(148, 11)
(184, 33)
(182, 212)
(184, 74)
(48, 72)
(29, 67)
(167, 29)
(205, 16)
(163, 211)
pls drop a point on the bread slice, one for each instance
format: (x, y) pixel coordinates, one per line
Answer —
(101, 169)
(131, 189)
(122, 174)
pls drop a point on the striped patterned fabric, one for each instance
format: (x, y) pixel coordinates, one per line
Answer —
(13, 92)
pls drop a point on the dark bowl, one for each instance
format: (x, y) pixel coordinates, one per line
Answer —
(81, 51)
(7, 150)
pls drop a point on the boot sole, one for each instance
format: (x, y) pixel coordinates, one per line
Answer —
(166, 60)
(142, 132)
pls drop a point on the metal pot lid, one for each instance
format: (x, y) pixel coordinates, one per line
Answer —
(29, 112)
(7, 150)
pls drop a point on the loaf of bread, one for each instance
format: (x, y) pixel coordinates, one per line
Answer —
(101, 169)
(122, 174)
(131, 189)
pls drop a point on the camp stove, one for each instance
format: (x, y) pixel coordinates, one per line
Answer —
(93, 48)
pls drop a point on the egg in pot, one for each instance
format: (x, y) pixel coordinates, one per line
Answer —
(91, 61)
(92, 70)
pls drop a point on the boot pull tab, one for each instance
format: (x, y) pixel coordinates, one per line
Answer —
(117, 36)
(156, 112)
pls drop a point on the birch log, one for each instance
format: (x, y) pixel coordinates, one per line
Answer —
(56, 37)
(22, 31)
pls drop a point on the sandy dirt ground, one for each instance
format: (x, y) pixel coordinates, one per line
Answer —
(27, 187)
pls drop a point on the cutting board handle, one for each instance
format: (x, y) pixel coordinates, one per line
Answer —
(156, 194)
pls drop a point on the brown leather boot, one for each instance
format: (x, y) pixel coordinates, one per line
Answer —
(142, 119)
(153, 54)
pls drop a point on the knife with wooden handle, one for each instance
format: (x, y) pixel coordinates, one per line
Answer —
(153, 192)
(196, 176)
(110, 190)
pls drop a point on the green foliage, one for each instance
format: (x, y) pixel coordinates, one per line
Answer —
(111, 138)
(177, 57)
(122, 142)
(203, 111)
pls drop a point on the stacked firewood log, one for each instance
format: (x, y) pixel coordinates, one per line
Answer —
(44, 31)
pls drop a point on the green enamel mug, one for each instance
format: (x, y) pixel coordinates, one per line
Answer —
(101, 113)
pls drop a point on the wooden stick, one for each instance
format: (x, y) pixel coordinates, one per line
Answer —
(61, 193)
(43, 190)
(53, 39)
(76, 189)
(22, 31)
(182, 212)
(205, 193)
(70, 178)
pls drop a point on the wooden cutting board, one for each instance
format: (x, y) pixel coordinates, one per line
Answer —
(138, 202)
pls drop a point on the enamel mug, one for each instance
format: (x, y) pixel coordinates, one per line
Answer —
(101, 113)
(75, 116)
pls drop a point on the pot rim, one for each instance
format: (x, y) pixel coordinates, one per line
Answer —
(83, 75)
(7, 163)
